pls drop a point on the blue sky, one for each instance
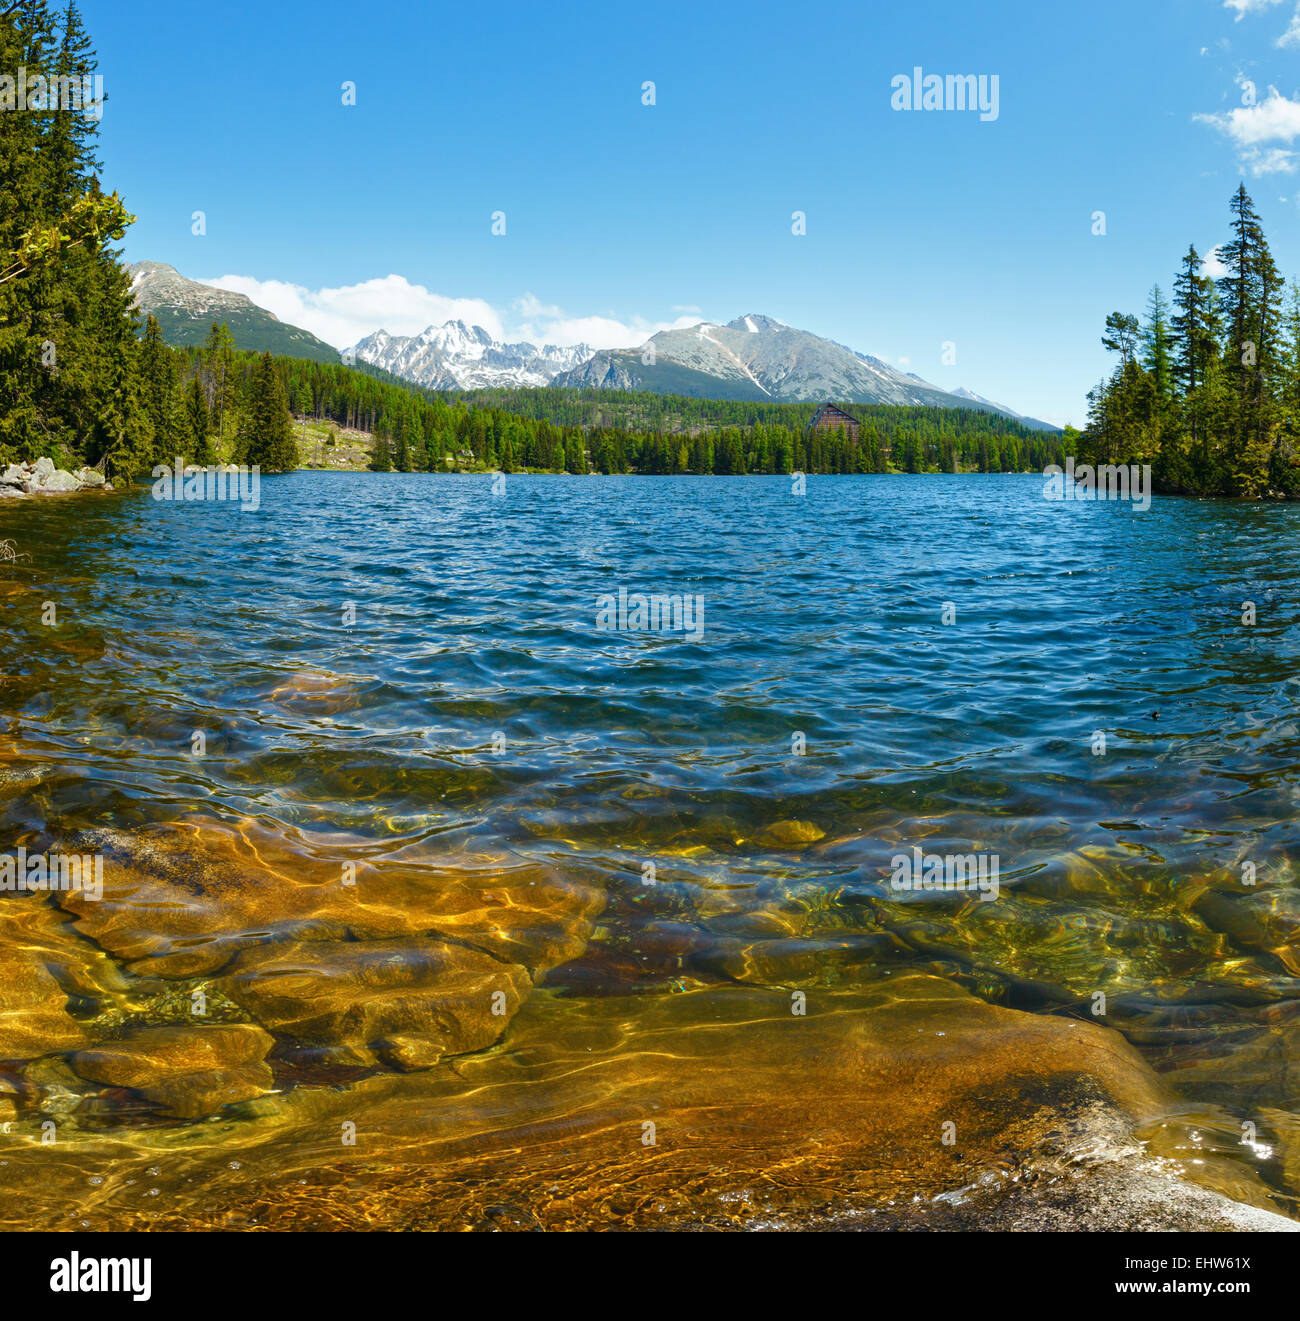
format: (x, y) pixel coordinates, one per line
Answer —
(922, 227)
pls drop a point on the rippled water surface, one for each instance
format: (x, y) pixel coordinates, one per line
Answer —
(403, 675)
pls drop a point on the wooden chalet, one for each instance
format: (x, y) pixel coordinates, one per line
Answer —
(829, 417)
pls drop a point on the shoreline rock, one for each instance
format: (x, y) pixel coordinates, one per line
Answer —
(43, 478)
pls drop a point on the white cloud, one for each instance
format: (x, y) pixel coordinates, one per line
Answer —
(1254, 127)
(1270, 160)
(1274, 119)
(1291, 37)
(342, 316)
(1244, 7)
(531, 306)
(547, 323)
(601, 332)
(345, 315)
(1211, 267)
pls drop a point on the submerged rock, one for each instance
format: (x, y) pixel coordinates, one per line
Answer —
(185, 901)
(406, 1003)
(1111, 1198)
(34, 1018)
(1267, 920)
(717, 1108)
(790, 834)
(316, 693)
(191, 1072)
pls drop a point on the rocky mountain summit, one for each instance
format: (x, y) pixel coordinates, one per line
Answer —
(760, 358)
(186, 309)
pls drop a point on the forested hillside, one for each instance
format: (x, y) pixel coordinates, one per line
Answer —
(600, 431)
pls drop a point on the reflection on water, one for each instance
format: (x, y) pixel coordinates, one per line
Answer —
(498, 888)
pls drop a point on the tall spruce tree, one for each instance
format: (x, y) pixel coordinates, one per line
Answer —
(1251, 291)
(159, 385)
(381, 455)
(265, 436)
(1157, 356)
(218, 356)
(1195, 322)
(67, 330)
(198, 425)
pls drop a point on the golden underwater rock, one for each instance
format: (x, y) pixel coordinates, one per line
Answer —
(37, 962)
(185, 900)
(191, 1072)
(407, 1003)
(790, 834)
(722, 1107)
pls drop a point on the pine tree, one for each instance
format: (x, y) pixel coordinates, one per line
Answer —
(158, 369)
(265, 437)
(381, 458)
(218, 352)
(1122, 335)
(198, 425)
(124, 434)
(1157, 357)
(1195, 323)
(67, 332)
(70, 157)
(1251, 291)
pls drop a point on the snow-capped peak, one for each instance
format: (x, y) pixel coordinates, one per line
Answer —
(458, 356)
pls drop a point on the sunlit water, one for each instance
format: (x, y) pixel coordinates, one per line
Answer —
(407, 672)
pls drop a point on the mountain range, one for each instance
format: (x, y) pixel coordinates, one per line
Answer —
(754, 357)
(455, 356)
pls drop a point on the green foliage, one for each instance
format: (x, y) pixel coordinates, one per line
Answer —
(381, 455)
(1214, 404)
(69, 356)
(265, 428)
(197, 426)
(554, 430)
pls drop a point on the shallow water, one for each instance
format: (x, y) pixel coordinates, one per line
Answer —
(471, 730)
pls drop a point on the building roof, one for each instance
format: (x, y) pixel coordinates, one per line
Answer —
(824, 409)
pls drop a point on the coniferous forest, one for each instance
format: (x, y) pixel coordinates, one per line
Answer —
(1206, 388)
